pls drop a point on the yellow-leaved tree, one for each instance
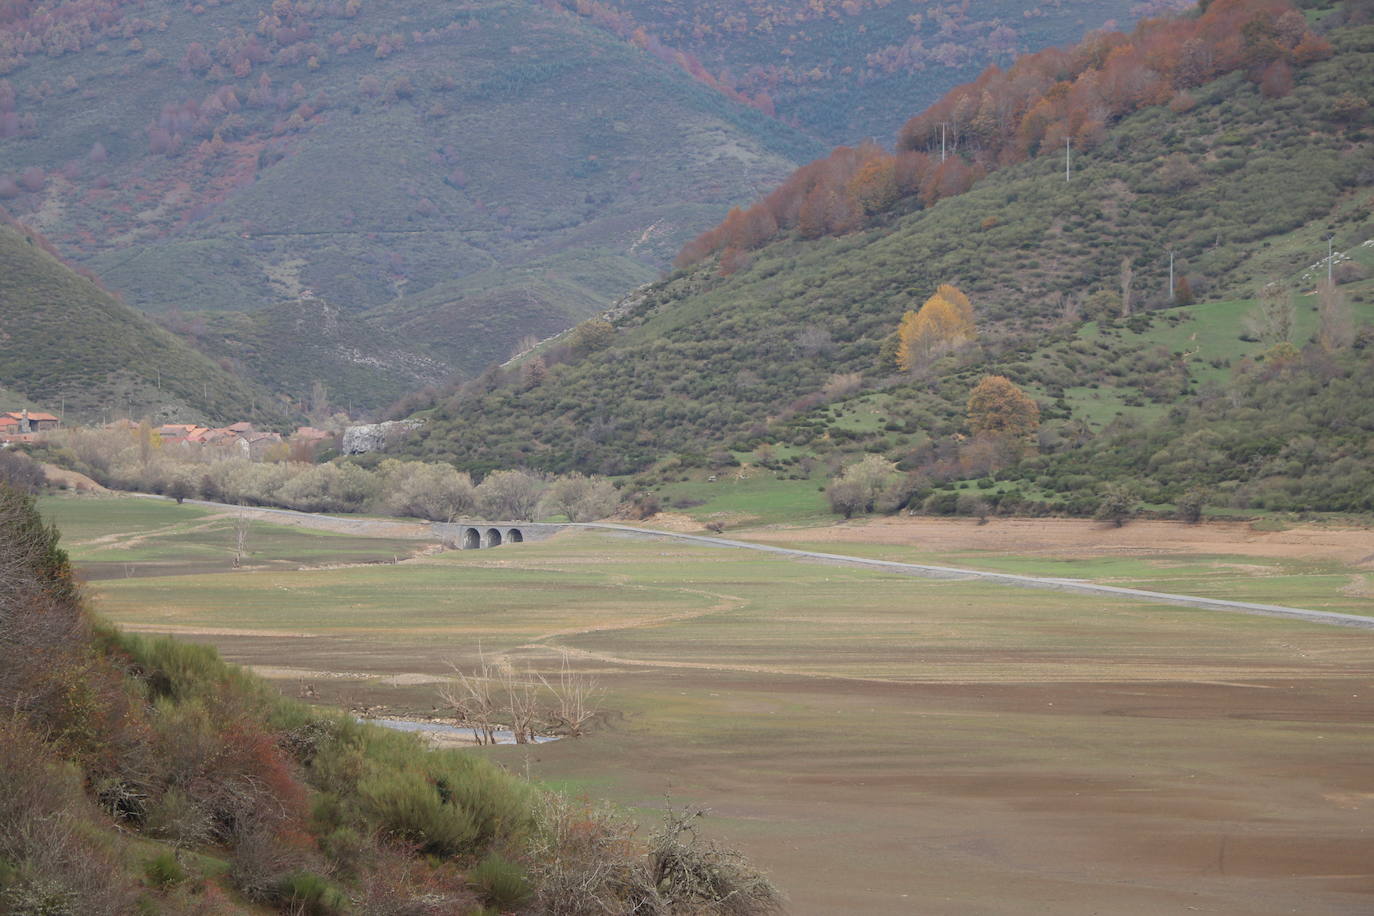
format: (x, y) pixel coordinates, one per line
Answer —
(943, 324)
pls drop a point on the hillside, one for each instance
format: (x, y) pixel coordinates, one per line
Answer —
(843, 71)
(1243, 186)
(69, 345)
(309, 346)
(145, 775)
(222, 157)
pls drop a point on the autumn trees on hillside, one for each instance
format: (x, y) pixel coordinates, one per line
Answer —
(1040, 103)
(998, 408)
(943, 324)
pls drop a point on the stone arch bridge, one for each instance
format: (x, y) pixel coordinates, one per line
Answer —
(478, 535)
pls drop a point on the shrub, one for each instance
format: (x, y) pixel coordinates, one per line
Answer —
(1190, 505)
(21, 472)
(412, 808)
(1117, 506)
(583, 862)
(179, 818)
(500, 882)
(164, 871)
(696, 875)
(49, 861)
(308, 894)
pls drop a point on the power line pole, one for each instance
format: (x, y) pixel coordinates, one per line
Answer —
(1171, 276)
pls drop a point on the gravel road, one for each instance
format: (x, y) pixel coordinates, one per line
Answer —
(388, 528)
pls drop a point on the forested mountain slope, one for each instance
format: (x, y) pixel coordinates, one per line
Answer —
(1243, 182)
(848, 70)
(231, 155)
(65, 342)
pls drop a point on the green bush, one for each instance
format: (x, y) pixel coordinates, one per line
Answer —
(309, 894)
(412, 807)
(163, 871)
(501, 882)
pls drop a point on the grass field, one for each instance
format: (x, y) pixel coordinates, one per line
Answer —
(881, 744)
(129, 536)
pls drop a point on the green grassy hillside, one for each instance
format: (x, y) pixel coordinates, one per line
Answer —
(707, 361)
(222, 157)
(68, 345)
(294, 347)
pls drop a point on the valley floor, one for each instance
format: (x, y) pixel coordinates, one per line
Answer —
(881, 744)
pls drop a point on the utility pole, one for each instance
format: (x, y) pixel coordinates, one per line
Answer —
(1171, 275)
(1067, 141)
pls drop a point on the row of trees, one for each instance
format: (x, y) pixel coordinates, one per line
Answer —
(438, 492)
(1040, 103)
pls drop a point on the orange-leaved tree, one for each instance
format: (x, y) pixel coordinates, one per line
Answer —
(997, 408)
(943, 324)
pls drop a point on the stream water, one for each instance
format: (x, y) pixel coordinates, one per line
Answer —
(503, 735)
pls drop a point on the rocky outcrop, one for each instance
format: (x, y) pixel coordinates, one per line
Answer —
(373, 437)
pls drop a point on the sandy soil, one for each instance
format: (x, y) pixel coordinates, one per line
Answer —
(1062, 538)
(363, 527)
(71, 480)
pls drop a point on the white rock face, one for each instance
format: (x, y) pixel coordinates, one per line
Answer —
(372, 437)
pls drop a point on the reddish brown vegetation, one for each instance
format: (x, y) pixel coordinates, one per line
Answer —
(1040, 103)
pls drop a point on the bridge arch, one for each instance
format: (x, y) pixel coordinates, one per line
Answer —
(472, 539)
(492, 538)
(514, 536)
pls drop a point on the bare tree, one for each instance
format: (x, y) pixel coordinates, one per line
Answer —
(1273, 319)
(522, 702)
(815, 340)
(472, 700)
(484, 699)
(576, 699)
(580, 498)
(1336, 330)
(1070, 309)
(1127, 278)
(241, 526)
(511, 495)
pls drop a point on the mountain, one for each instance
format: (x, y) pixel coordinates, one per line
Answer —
(1241, 178)
(852, 69)
(68, 344)
(448, 159)
(316, 353)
